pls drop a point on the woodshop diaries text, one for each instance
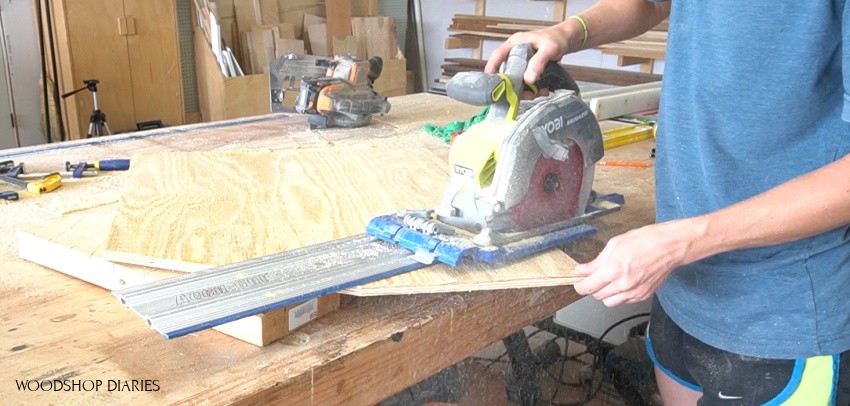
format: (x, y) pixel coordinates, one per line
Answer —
(89, 385)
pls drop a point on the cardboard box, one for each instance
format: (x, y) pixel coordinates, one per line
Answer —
(289, 319)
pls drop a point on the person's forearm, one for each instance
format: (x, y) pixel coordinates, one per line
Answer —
(808, 205)
(614, 20)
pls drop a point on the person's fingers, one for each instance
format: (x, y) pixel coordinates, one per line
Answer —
(498, 56)
(585, 269)
(535, 67)
(592, 283)
(616, 300)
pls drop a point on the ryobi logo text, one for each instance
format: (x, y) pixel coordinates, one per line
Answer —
(553, 125)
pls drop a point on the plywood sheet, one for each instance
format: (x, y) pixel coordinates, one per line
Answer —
(215, 208)
(185, 209)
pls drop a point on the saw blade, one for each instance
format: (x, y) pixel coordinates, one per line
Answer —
(554, 191)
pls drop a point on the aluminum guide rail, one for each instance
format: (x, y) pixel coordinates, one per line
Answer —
(197, 301)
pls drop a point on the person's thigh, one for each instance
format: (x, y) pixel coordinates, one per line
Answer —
(726, 378)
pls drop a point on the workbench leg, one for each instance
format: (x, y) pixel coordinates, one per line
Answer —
(525, 370)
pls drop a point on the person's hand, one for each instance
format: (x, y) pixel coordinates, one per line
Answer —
(633, 265)
(549, 43)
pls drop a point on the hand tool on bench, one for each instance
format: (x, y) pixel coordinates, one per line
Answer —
(520, 184)
(64, 174)
(9, 195)
(344, 97)
(78, 169)
(9, 173)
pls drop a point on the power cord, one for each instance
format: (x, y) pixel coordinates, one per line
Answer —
(596, 365)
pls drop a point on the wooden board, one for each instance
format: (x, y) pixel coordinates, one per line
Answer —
(378, 34)
(552, 269)
(306, 21)
(247, 14)
(338, 13)
(182, 210)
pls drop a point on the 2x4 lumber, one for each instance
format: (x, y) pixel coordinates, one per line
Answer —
(630, 60)
(626, 102)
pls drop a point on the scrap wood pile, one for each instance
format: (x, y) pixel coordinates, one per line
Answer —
(247, 35)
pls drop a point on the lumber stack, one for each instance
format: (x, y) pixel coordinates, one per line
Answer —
(246, 35)
(470, 31)
(642, 50)
(474, 28)
(452, 66)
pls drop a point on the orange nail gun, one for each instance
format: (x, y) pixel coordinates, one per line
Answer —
(344, 97)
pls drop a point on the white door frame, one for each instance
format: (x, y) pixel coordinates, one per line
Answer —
(9, 137)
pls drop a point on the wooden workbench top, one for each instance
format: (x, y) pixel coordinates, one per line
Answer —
(58, 328)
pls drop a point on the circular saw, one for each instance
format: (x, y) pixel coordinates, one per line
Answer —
(521, 179)
(528, 164)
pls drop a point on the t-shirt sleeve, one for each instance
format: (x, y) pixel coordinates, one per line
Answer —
(845, 62)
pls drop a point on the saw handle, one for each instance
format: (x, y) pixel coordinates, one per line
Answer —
(475, 88)
(555, 77)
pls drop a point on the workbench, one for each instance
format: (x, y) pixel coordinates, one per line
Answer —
(56, 327)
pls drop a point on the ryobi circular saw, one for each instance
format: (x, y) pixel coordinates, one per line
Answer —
(521, 179)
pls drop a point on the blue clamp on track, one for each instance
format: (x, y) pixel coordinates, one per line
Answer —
(451, 249)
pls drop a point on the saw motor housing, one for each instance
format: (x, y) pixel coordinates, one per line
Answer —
(344, 97)
(529, 164)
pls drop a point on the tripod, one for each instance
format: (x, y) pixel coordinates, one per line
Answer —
(97, 120)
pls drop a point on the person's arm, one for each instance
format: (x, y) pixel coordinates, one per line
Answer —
(633, 265)
(607, 21)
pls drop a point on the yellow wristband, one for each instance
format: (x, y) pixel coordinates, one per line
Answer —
(584, 26)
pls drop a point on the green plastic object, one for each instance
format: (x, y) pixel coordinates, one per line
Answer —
(445, 133)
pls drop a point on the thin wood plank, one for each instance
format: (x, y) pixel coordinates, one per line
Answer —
(348, 46)
(247, 15)
(263, 47)
(269, 13)
(456, 42)
(318, 39)
(306, 21)
(364, 8)
(284, 46)
(286, 30)
(381, 38)
(293, 11)
(338, 14)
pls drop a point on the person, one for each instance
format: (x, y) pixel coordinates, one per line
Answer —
(748, 263)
